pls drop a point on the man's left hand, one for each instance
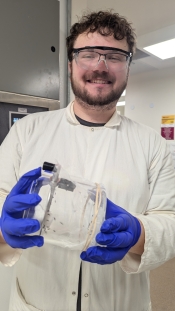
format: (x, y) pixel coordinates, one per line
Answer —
(119, 232)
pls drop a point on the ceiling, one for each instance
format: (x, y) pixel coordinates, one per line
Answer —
(153, 20)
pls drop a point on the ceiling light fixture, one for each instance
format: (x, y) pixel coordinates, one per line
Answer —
(162, 50)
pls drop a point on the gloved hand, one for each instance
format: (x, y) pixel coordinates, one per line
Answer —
(13, 226)
(119, 232)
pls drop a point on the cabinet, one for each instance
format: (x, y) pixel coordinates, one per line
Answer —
(29, 53)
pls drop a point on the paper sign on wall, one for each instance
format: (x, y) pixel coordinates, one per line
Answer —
(167, 127)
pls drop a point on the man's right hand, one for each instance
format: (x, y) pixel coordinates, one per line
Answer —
(14, 227)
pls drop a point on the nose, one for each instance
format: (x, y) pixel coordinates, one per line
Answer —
(102, 64)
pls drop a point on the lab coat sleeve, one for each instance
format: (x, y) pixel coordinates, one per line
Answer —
(10, 156)
(159, 217)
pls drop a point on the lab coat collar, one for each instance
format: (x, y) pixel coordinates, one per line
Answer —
(115, 120)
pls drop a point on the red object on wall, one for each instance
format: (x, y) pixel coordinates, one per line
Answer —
(167, 133)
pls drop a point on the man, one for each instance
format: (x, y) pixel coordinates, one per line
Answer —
(91, 141)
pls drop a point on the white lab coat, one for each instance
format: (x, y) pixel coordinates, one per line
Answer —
(133, 163)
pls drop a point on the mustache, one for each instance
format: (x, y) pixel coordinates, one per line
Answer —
(96, 75)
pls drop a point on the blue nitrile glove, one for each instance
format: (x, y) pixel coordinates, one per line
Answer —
(13, 226)
(119, 232)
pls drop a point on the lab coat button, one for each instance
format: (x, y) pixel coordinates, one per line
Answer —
(86, 295)
(92, 129)
(73, 293)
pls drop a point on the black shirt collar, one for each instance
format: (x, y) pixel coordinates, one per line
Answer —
(87, 123)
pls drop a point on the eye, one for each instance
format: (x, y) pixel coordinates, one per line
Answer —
(87, 55)
(116, 57)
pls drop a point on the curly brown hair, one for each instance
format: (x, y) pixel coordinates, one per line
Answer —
(106, 23)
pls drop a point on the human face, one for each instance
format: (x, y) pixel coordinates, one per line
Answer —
(99, 86)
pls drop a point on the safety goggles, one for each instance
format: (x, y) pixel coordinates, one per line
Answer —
(89, 58)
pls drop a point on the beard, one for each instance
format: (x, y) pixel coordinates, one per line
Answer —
(100, 100)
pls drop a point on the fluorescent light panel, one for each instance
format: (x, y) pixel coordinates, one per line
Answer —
(121, 103)
(162, 50)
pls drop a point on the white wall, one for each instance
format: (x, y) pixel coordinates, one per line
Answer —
(78, 7)
(155, 88)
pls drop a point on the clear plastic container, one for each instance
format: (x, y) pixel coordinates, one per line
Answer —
(71, 211)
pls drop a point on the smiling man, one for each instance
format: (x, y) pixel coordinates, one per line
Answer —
(91, 141)
(99, 66)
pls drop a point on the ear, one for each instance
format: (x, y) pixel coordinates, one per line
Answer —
(69, 67)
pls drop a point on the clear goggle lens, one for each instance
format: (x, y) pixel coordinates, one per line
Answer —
(90, 59)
